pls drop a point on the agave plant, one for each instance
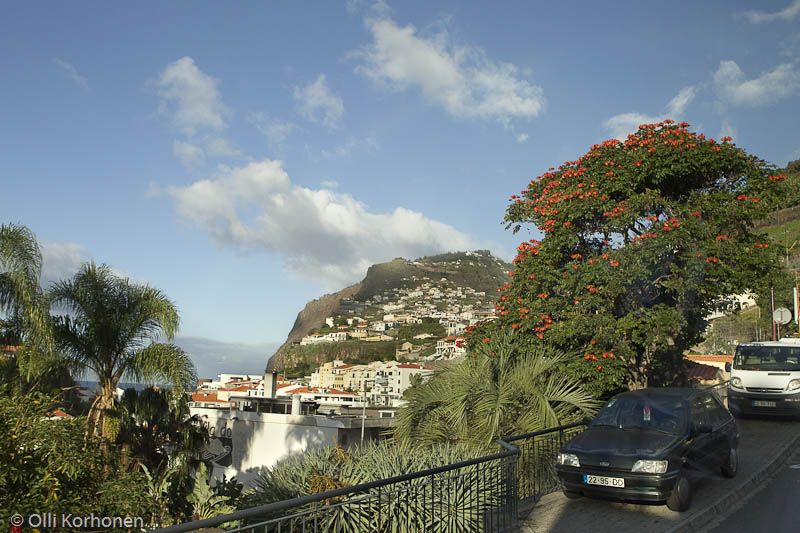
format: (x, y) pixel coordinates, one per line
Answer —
(451, 501)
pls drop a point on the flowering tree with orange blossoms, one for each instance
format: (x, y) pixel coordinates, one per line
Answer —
(639, 239)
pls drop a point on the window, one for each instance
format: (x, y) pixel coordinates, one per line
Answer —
(699, 411)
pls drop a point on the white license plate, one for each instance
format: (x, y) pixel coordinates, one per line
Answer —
(760, 403)
(604, 481)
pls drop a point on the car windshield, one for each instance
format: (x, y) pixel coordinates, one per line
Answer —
(767, 358)
(631, 412)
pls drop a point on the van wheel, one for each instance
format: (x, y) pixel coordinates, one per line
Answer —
(731, 465)
(681, 496)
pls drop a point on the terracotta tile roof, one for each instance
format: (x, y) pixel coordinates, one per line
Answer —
(701, 372)
(710, 358)
(207, 397)
(58, 413)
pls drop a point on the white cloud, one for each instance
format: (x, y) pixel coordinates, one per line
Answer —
(153, 190)
(317, 103)
(733, 88)
(330, 184)
(728, 130)
(275, 130)
(352, 144)
(60, 261)
(678, 104)
(212, 357)
(191, 97)
(79, 80)
(461, 79)
(626, 123)
(218, 146)
(787, 14)
(522, 137)
(325, 236)
(190, 155)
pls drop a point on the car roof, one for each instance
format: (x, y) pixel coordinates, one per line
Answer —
(664, 392)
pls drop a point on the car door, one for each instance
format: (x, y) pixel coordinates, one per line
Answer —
(699, 446)
(723, 429)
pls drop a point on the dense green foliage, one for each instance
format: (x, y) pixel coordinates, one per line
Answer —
(46, 465)
(639, 240)
(501, 390)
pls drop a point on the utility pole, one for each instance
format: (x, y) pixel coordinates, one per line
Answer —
(772, 313)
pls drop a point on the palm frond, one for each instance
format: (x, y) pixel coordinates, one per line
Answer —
(165, 363)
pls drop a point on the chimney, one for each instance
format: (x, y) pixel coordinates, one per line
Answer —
(270, 383)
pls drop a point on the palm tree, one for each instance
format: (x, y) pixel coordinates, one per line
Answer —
(112, 328)
(20, 294)
(496, 392)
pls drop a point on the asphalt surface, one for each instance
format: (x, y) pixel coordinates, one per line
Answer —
(764, 447)
(773, 508)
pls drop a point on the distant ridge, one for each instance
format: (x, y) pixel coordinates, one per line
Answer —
(477, 269)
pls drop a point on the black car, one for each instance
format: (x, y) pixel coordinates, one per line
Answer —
(649, 445)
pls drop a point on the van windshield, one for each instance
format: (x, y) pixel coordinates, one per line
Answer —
(767, 358)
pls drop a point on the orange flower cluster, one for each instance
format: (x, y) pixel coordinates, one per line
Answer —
(671, 224)
(614, 263)
(590, 288)
(643, 236)
(590, 357)
(617, 210)
(777, 177)
(722, 237)
(542, 295)
(712, 259)
(608, 354)
(762, 245)
(695, 214)
(547, 324)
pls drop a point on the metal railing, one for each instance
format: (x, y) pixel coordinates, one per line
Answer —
(721, 390)
(480, 494)
(537, 458)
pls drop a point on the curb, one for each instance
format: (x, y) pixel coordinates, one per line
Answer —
(723, 506)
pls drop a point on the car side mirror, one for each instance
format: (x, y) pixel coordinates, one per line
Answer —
(727, 367)
(587, 420)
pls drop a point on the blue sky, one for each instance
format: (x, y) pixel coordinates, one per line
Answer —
(248, 157)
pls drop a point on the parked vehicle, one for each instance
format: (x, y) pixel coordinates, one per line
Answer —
(650, 445)
(765, 378)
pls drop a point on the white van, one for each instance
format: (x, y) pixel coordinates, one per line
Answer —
(765, 378)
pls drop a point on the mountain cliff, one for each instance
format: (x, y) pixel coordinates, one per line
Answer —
(479, 271)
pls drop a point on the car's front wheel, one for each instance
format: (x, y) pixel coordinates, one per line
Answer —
(681, 495)
(731, 465)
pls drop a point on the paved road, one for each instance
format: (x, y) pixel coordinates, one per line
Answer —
(764, 445)
(774, 508)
